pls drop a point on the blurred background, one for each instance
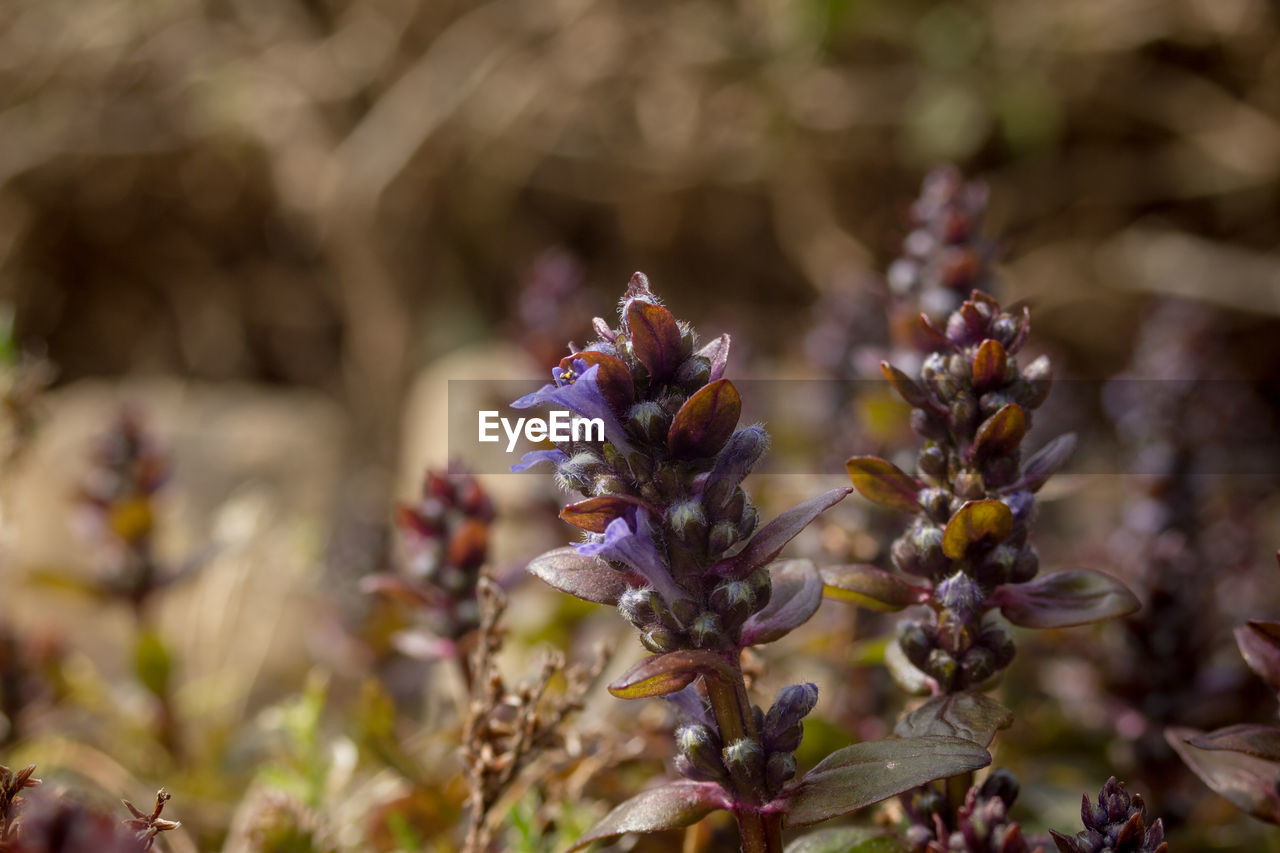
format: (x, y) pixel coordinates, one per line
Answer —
(277, 229)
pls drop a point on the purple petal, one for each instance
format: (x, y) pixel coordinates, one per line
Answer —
(716, 352)
(690, 702)
(635, 549)
(582, 396)
(537, 457)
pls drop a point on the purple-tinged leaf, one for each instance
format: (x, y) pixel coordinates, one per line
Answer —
(660, 675)
(655, 337)
(1259, 643)
(1045, 462)
(1063, 599)
(976, 523)
(603, 329)
(594, 514)
(588, 578)
(970, 715)
(884, 483)
(1024, 331)
(773, 537)
(990, 364)
(1248, 738)
(908, 389)
(865, 773)
(716, 352)
(1000, 434)
(848, 839)
(1249, 783)
(934, 338)
(870, 587)
(705, 421)
(669, 806)
(797, 593)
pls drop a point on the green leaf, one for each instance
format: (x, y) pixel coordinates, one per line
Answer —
(655, 337)
(705, 421)
(795, 597)
(976, 523)
(152, 663)
(1248, 782)
(848, 839)
(882, 482)
(870, 587)
(658, 675)
(670, 806)
(1000, 434)
(972, 716)
(866, 773)
(588, 578)
(1063, 599)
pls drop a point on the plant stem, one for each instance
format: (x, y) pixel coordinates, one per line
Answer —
(957, 788)
(759, 833)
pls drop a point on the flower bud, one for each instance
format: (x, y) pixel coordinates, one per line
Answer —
(638, 606)
(969, 486)
(685, 611)
(1026, 566)
(998, 565)
(927, 539)
(688, 522)
(700, 746)
(792, 705)
(936, 504)
(723, 535)
(960, 595)
(1001, 471)
(1005, 329)
(915, 643)
(744, 759)
(761, 587)
(707, 632)
(962, 416)
(941, 667)
(997, 638)
(734, 601)
(992, 402)
(1036, 379)
(649, 421)
(750, 518)
(733, 507)
(1002, 785)
(778, 770)
(978, 665)
(932, 461)
(660, 640)
(693, 374)
(927, 425)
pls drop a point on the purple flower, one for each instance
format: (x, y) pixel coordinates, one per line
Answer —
(577, 390)
(537, 457)
(635, 548)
